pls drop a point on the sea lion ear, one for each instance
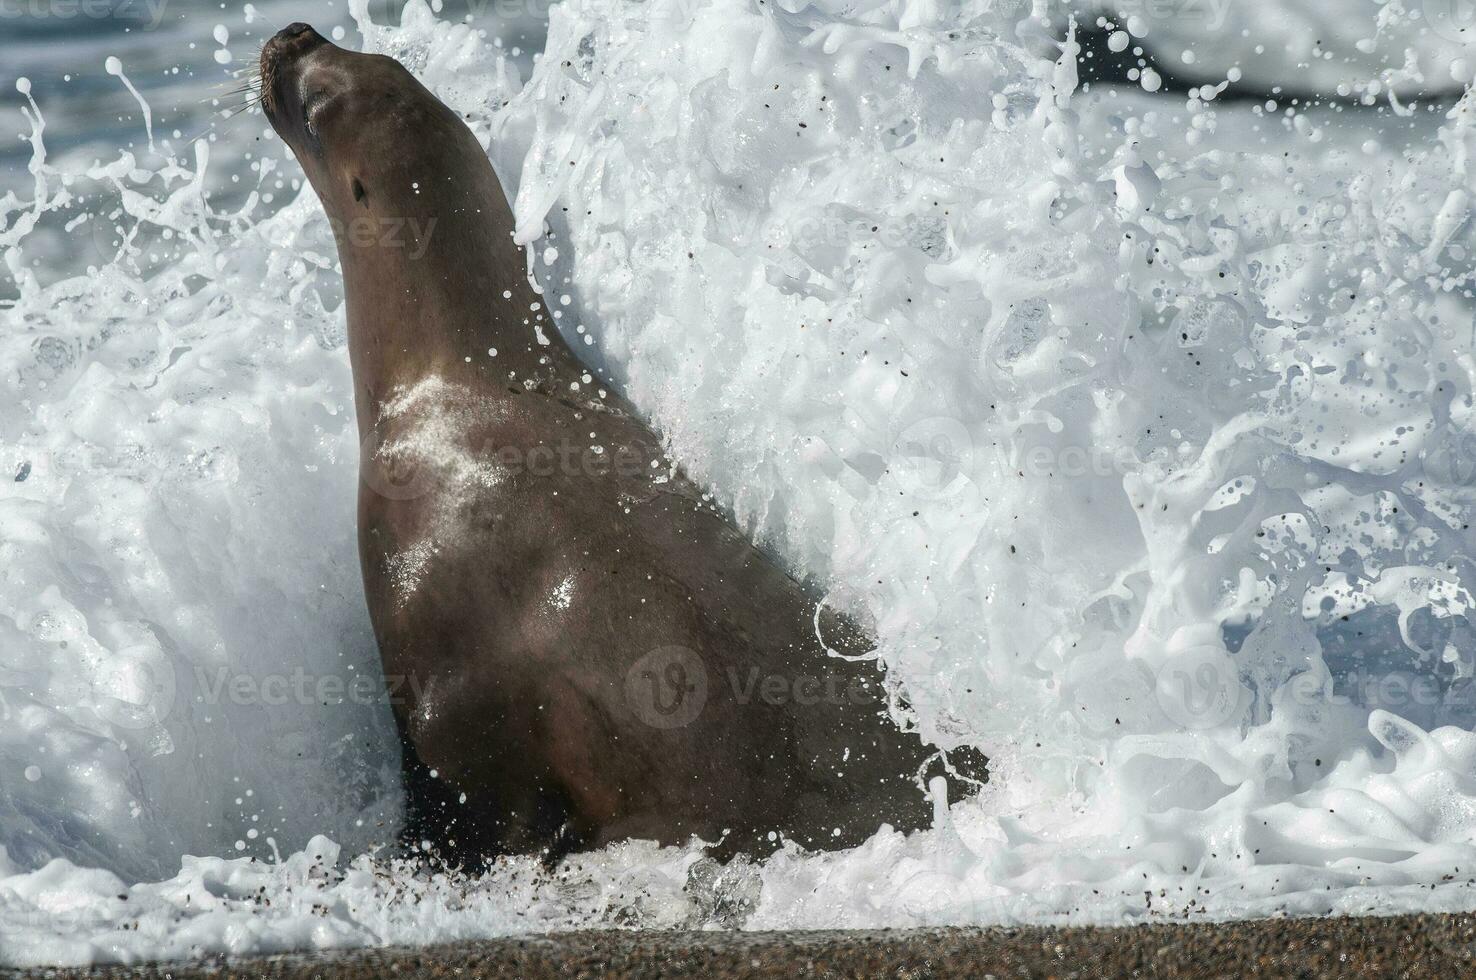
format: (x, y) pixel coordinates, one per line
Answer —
(359, 192)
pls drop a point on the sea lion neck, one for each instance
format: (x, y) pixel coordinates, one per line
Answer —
(435, 284)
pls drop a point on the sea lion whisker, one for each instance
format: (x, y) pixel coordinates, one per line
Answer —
(239, 110)
(251, 89)
(226, 115)
(200, 135)
(229, 95)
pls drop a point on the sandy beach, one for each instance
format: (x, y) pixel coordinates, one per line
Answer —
(1403, 946)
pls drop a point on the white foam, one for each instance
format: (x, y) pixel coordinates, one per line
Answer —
(1142, 455)
(1375, 52)
(1084, 441)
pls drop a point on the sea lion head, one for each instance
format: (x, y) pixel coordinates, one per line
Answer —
(369, 136)
(422, 225)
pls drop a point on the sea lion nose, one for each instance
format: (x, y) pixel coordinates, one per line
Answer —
(297, 37)
(281, 57)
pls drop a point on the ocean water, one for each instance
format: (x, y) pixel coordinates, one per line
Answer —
(1136, 419)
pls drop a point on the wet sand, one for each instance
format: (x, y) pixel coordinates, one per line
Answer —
(1405, 946)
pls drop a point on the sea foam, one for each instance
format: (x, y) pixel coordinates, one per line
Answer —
(1151, 472)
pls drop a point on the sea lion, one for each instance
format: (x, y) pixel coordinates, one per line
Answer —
(583, 649)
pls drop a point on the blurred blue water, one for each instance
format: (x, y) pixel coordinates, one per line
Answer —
(168, 50)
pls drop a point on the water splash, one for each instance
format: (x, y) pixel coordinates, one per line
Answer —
(1152, 471)
(114, 67)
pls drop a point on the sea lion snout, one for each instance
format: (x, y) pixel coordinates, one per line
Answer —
(281, 57)
(298, 37)
(342, 111)
(296, 30)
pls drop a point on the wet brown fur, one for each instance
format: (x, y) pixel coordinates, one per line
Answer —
(528, 722)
